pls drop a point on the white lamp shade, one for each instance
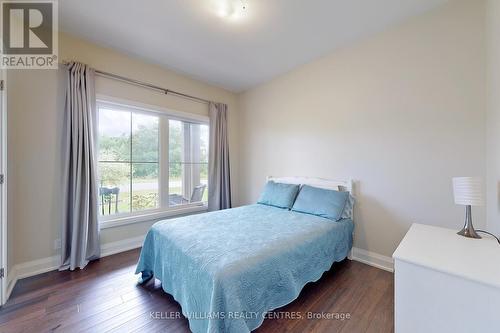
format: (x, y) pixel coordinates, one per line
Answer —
(468, 191)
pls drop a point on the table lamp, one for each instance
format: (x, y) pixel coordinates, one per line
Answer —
(468, 191)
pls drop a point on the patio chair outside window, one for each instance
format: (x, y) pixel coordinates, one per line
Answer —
(196, 196)
(106, 195)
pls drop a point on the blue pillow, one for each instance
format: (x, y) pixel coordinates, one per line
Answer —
(279, 194)
(321, 202)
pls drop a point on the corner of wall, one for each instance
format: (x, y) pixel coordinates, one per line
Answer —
(493, 115)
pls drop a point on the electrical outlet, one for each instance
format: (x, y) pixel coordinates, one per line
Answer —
(57, 244)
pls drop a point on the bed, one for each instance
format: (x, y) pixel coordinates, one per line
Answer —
(228, 268)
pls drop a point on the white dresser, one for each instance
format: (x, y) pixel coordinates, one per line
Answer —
(446, 283)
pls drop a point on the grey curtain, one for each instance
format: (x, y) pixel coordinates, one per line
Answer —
(80, 230)
(219, 183)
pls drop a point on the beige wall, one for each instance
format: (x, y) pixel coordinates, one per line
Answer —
(35, 106)
(34, 150)
(493, 114)
(400, 113)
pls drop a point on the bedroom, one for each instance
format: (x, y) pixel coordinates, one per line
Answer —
(195, 106)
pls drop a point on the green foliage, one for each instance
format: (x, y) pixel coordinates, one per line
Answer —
(114, 174)
(145, 149)
(113, 148)
(143, 165)
(144, 201)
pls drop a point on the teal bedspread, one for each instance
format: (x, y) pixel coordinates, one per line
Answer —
(228, 268)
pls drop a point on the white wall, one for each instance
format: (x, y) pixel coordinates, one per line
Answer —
(35, 106)
(493, 114)
(401, 113)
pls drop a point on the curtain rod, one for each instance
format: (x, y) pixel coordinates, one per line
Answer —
(147, 85)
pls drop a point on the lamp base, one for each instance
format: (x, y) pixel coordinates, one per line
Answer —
(469, 233)
(468, 229)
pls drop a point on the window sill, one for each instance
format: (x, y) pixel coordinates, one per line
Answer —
(151, 216)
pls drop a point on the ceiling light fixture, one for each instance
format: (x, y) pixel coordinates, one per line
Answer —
(244, 4)
(232, 9)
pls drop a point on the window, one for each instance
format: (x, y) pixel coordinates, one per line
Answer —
(149, 162)
(188, 161)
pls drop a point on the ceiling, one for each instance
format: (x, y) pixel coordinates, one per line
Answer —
(217, 42)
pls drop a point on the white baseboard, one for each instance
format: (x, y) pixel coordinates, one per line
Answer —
(27, 269)
(372, 259)
(39, 266)
(11, 282)
(35, 267)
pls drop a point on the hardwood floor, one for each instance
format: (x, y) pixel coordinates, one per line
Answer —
(106, 298)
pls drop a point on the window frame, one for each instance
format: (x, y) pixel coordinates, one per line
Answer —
(164, 114)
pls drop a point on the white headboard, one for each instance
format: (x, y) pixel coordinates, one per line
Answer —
(331, 184)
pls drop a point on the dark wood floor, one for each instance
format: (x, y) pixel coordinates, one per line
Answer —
(106, 298)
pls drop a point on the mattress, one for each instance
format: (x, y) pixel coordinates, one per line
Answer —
(228, 268)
